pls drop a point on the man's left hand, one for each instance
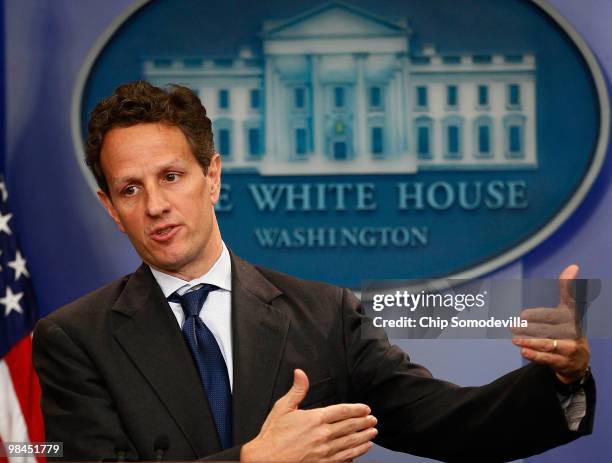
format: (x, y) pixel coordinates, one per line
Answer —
(554, 337)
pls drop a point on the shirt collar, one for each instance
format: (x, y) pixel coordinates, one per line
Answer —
(220, 275)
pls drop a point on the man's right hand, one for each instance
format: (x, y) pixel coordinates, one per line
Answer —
(336, 433)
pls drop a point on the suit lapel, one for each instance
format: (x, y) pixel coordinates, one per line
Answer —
(258, 339)
(153, 341)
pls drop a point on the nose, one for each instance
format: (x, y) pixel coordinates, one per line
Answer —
(157, 203)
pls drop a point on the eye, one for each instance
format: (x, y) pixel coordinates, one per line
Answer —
(129, 190)
(171, 177)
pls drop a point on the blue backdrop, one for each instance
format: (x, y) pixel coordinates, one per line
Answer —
(73, 248)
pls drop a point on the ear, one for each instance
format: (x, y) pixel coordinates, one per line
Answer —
(214, 178)
(110, 208)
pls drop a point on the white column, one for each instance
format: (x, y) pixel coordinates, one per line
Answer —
(408, 106)
(361, 127)
(400, 123)
(239, 148)
(317, 106)
(401, 100)
(393, 118)
(280, 130)
(270, 109)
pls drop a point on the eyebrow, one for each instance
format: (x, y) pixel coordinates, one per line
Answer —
(123, 181)
(175, 163)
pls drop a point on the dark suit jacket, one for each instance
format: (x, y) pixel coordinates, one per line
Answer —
(114, 367)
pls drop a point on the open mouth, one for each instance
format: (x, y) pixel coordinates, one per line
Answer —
(165, 233)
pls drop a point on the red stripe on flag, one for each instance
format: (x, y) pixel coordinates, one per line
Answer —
(2, 459)
(27, 388)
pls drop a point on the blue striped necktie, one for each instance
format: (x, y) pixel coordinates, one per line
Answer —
(208, 359)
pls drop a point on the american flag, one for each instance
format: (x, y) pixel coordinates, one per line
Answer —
(20, 416)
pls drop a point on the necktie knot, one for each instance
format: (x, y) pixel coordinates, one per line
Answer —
(192, 301)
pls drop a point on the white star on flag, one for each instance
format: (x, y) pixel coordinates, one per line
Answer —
(19, 265)
(11, 302)
(4, 223)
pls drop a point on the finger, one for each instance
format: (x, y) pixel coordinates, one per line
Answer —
(575, 354)
(339, 412)
(351, 425)
(552, 315)
(556, 346)
(291, 400)
(545, 331)
(555, 361)
(533, 330)
(352, 453)
(350, 441)
(566, 285)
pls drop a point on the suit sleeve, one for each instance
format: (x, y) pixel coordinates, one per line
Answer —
(515, 416)
(76, 405)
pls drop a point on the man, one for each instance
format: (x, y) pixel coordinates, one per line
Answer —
(199, 354)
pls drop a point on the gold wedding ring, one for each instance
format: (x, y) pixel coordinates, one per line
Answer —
(554, 349)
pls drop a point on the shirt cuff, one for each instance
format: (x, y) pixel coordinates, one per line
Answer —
(574, 408)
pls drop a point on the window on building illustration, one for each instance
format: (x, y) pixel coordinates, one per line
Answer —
(451, 96)
(483, 95)
(453, 137)
(423, 130)
(338, 97)
(254, 136)
(300, 141)
(375, 97)
(299, 97)
(483, 137)
(224, 99)
(514, 128)
(340, 151)
(377, 140)
(484, 140)
(482, 59)
(224, 145)
(453, 140)
(192, 62)
(451, 59)
(515, 147)
(423, 148)
(421, 60)
(421, 96)
(255, 98)
(514, 59)
(514, 95)
(224, 62)
(162, 62)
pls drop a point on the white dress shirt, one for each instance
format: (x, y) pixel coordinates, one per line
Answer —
(216, 312)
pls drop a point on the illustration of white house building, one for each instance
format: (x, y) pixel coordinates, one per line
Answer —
(339, 90)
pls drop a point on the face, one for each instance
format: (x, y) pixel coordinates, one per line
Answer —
(161, 197)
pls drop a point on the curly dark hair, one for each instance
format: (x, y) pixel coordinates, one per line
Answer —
(140, 102)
